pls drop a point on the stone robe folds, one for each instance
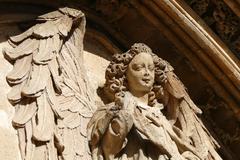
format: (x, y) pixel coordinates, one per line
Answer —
(135, 132)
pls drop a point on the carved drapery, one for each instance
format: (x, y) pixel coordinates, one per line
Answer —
(174, 30)
(179, 135)
(199, 66)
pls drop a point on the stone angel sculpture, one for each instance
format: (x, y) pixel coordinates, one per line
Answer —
(50, 90)
(133, 126)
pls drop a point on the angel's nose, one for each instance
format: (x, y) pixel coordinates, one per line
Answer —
(146, 72)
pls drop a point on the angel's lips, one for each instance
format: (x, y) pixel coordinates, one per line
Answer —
(146, 80)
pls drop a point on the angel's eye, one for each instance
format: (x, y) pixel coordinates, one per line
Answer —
(137, 67)
(151, 67)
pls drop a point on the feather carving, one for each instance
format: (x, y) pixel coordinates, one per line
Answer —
(45, 52)
(57, 43)
(45, 120)
(51, 16)
(50, 101)
(54, 70)
(181, 109)
(27, 47)
(68, 103)
(30, 147)
(37, 81)
(78, 141)
(21, 37)
(68, 152)
(72, 120)
(65, 25)
(25, 111)
(14, 96)
(45, 30)
(71, 12)
(20, 70)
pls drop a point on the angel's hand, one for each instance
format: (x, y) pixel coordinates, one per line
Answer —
(122, 123)
(114, 110)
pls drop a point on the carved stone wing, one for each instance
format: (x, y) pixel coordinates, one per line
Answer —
(50, 89)
(181, 109)
(177, 91)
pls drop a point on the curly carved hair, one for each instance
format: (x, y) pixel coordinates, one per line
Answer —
(116, 81)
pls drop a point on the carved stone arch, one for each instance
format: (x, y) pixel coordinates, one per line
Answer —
(170, 27)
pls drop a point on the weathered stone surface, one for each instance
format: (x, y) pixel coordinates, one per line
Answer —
(9, 146)
(9, 149)
(96, 55)
(150, 116)
(8, 136)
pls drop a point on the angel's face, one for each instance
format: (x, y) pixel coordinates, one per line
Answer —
(140, 73)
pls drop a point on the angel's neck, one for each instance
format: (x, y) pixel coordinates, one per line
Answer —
(141, 97)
